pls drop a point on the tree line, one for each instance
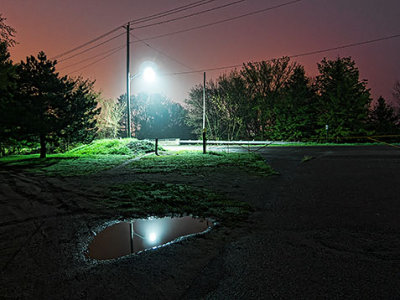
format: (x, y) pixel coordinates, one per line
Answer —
(275, 100)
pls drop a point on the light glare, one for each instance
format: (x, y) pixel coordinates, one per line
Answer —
(152, 237)
(149, 75)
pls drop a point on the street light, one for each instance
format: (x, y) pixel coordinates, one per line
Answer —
(149, 76)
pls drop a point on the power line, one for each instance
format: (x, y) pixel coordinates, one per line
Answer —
(90, 58)
(346, 46)
(190, 15)
(140, 20)
(176, 32)
(171, 11)
(91, 48)
(239, 65)
(119, 48)
(87, 43)
(163, 53)
(295, 55)
(95, 62)
(221, 21)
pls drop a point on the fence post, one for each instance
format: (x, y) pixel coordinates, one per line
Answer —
(204, 142)
(156, 150)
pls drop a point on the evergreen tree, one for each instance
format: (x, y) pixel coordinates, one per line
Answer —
(343, 99)
(52, 107)
(296, 111)
(383, 119)
(7, 33)
(7, 85)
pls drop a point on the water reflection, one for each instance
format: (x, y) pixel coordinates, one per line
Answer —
(130, 237)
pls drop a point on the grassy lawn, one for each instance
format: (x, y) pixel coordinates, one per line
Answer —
(81, 161)
(100, 155)
(140, 198)
(195, 162)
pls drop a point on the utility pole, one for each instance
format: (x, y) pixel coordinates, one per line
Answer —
(204, 101)
(204, 116)
(128, 85)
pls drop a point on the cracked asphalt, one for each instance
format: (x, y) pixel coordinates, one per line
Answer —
(326, 227)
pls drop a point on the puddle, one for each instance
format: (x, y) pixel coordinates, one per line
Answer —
(140, 234)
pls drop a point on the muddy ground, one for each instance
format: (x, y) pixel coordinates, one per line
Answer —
(325, 228)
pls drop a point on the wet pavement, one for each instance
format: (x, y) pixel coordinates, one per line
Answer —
(324, 228)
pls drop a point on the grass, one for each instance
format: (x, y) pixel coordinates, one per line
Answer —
(115, 147)
(194, 162)
(64, 165)
(142, 199)
(102, 155)
(95, 157)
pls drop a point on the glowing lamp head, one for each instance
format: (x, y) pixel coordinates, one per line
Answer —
(152, 237)
(149, 75)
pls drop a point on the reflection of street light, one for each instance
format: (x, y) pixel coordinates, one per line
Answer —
(152, 237)
(149, 75)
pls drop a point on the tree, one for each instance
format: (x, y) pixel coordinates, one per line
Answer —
(396, 92)
(383, 118)
(232, 105)
(80, 111)
(49, 106)
(295, 113)
(108, 121)
(154, 116)
(7, 83)
(266, 99)
(7, 33)
(265, 82)
(214, 118)
(343, 99)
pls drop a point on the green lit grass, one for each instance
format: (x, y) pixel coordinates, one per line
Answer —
(64, 165)
(100, 155)
(148, 199)
(114, 147)
(193, 162)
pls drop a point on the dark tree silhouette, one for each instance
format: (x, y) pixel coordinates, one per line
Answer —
(295, 114)
(49, 106)
(344, 98)
(7, 33)
(7, 83)
(383, 118)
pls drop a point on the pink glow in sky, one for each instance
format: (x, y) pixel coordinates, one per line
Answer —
(56, 26)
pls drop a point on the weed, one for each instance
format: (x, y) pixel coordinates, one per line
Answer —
(307, 158)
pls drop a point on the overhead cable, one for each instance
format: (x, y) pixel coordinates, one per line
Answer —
(294, 55)
(190, 15)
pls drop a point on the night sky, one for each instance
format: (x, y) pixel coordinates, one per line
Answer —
(56, 26)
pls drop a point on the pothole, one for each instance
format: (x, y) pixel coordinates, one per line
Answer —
(137, 235)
